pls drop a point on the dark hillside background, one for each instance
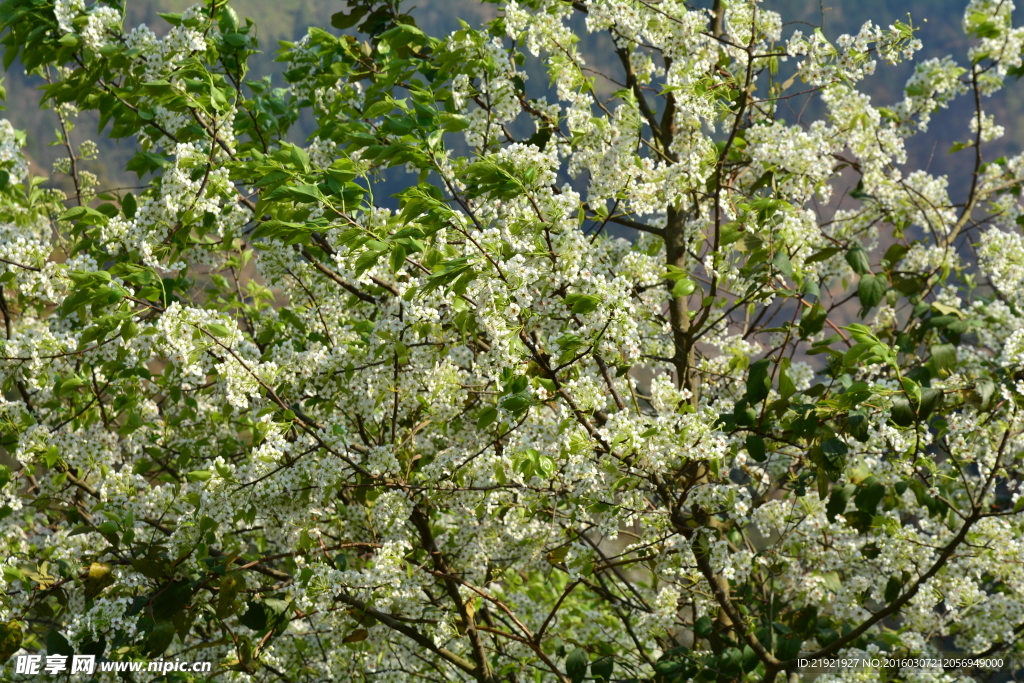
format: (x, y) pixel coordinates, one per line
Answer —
(276, 20)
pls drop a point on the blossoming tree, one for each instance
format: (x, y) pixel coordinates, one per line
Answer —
(257, 414)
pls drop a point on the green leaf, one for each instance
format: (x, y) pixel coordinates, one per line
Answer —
(786, 386)
(218, 330)
(545, 466)
(230, 587)
(171, 599)
(684, 286)
(703, 627)
(539, 139)
(300, 158)
(576, 665)
(869, 496)
(756, 448)
(151, 568)
(758, 381)
(227, 19)
(731, 232)
(858, 260)
(159, 639)
(108, 527)
(73, 213)
(943, 360)
(133, 422)
(893, 588)
(766, 180)
(173, 18)
(516, 402)
(902, 412)
(356, 636)
(813, 320)
(831, 581)
(871, 290)
(835, 451)
(11, 635)
(912, 388)
(837, 501)
(343, 21)
(582, 303)
(235, 39)
(928, 401)
(368, 259)
(57, 644)
(895, 254)
(255, 617)
(858, 426)
(855, 353)
(303, 194)
(397, 258)
(811, 288)
(602, 668)
(158, 87)
(985, 390)
(950, 322)
(486, 417)
(823, 255)
(129, 206)
(129, 330)
(85, 216)
(447, 272)
(859, 193)
(783, 264)
(730, 662)
(379, 108)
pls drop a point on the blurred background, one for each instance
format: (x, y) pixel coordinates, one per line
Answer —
(940, 30)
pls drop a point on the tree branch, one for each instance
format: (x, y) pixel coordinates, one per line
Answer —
(411, 633)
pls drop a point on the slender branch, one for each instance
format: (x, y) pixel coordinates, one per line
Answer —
(940, 562)
(411, 633)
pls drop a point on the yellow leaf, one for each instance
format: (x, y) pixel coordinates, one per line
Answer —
(100, 576)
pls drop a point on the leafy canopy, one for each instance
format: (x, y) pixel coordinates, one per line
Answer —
(513, 370)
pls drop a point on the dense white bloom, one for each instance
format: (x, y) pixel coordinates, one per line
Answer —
(588, 388)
